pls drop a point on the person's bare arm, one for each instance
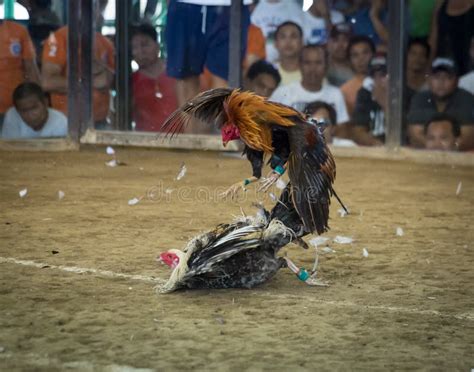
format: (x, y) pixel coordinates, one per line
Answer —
(102, 76)
(52, 79)
(416, 135)
(433, 37)
(31, 71)
(361, 136)
(466, 140)
(379, 27)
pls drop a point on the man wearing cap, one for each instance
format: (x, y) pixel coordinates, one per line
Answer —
(371, 105)
(339, 67)
(443, 96)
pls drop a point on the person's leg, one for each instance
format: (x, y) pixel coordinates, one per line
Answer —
(187, 89)
(217, 35)
(186, 48)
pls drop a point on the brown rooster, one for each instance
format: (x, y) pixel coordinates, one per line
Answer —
(276, 130)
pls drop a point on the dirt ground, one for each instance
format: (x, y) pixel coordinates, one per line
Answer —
(407, 306)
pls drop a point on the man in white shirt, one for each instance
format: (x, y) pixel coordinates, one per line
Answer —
(269, 14)
(30, 117)
(312, 86)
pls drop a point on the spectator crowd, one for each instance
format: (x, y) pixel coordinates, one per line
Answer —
(329, 61)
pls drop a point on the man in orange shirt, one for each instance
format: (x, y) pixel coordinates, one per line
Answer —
(54, 73)
(361, 49)
(17, 62)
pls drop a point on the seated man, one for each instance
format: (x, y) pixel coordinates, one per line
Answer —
(54, 73)
(418, 57)
(443, 96)
(371, 104)
(312, 86)
(340, 70)
(30, 117)
(17, 62)
(442, 132)
(289, 42)
(154, 92)
(325, 114)
(262, 78)
(360, 51)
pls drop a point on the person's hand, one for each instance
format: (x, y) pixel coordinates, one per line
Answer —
(267, 182)
(380, 92)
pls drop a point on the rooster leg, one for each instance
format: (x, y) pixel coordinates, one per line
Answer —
(312, 280)
(233, 191)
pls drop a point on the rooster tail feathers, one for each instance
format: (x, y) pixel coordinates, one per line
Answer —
(311, 196)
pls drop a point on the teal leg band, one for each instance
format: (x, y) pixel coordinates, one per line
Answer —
(303, 275)
(279, 169)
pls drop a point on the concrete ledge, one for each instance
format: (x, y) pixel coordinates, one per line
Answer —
(214, 143)
(39, 144)
(403, 153)
(146, 139)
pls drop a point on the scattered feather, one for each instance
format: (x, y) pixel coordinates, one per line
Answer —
(23, 193)
(141, 168)
(319, 240)
(280, 184)
(133, 201)
(342, 212)
(111, 163)
(110, 150)
(61, 195)
(458, 190)
(365, 253)
(273, 196)
(182, 172)
(328, 250)
(399, 231)
(343, 239)
(431, 298)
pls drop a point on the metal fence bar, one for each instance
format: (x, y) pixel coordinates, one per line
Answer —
(235, 42)
(79, 52)
(122, 81)
(396, 73)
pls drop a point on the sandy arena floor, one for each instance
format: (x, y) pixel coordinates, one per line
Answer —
(407, 306)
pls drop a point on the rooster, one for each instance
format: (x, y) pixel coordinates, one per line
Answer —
(242, 254)
(276, 130)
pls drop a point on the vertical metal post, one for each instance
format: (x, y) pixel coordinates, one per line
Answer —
(396, 73)
(122, 81)
(235, 42)
(79, 57)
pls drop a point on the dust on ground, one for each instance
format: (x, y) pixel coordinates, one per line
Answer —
(407, 306)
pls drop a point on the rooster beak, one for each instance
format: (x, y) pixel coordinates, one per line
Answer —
(159, 259)
(224, 143)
